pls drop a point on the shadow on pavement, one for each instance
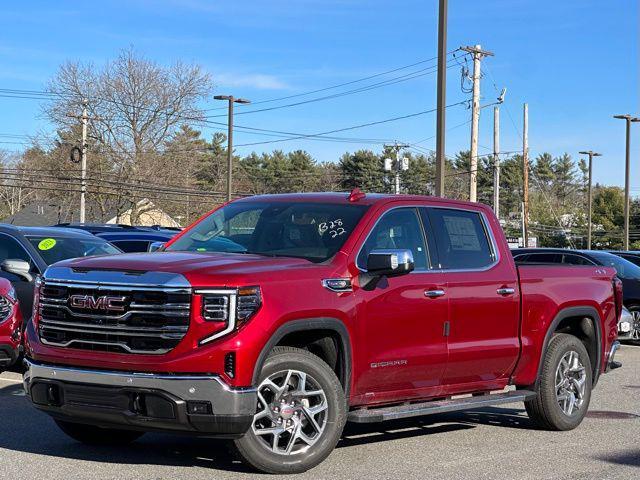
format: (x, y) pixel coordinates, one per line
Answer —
(626, 457)
(32, 431)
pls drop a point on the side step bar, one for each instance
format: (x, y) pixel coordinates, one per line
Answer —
(381, 414)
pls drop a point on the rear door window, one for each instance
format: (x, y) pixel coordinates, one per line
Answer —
(573, 259)
(544, 258)
(461, 238)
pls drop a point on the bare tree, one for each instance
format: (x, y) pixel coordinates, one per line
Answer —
(135, 106)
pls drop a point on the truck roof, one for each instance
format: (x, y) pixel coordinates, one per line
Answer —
(360, 198)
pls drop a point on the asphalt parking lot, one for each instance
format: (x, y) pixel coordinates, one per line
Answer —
(482, 444)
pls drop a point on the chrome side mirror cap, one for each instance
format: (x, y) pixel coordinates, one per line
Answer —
(390, 262)
(17, 267)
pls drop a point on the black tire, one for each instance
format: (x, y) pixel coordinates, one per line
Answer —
(252, 448)
(544, 410)
(92, 435)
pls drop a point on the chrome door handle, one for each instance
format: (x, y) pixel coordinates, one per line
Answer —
(506, 291)
(434, 293)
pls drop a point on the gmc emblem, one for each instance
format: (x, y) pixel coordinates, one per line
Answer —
(105, 302)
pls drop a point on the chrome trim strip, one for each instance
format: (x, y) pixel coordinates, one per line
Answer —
(124, 316)
(102, 376)
(492, 241)
(114, 286)
(123, 328)
(113, 344)
(326, 284)
(163, 336)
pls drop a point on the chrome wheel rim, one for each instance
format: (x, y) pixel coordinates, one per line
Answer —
(571, 378)
(635, 328)
(292, 412)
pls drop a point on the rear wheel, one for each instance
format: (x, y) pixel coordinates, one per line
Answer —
(92, 435)
(564, 386)
(300, 414)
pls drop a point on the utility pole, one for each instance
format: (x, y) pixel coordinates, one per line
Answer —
(478, 54)
(442, 98)
(591, 154)
(496, 161)
(83, 162)
(231, 99)
(525, 176)
(628, 118)
(397, 164)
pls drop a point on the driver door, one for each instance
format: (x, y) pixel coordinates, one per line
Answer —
(403, 328)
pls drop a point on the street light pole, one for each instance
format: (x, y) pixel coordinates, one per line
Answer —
(231, 99)
(628, 118)
(591, 154)
(442, 98)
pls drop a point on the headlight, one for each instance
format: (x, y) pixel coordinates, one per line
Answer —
(228, 309)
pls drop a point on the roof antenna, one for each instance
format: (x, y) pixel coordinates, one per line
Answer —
(356, 194)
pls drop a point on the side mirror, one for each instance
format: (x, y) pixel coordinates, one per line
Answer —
(156, 246)
(390, 263)
(18, 267)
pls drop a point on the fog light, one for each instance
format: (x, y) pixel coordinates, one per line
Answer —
(199, 408)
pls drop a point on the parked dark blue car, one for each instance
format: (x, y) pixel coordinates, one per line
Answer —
(126, 237)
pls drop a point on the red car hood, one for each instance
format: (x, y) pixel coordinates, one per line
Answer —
(192, 265)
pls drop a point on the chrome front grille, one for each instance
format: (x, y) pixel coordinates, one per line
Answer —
(121, 318)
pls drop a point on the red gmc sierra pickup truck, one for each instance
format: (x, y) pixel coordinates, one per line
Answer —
(275, 319)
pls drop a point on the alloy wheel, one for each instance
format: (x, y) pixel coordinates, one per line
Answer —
(571, 377)
(635, 328)
(292, 412)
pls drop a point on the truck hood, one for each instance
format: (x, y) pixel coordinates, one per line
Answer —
(186, 263)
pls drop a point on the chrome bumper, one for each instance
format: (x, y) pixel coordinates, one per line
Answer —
(611, 362)
(144, 401)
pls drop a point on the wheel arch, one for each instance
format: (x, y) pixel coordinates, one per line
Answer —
(315, 325)
(576, 313)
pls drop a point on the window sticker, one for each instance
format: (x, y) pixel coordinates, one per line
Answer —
(47, 244)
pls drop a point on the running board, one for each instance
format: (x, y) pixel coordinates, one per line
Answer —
(381, 414)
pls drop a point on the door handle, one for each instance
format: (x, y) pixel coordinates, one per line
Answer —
(504, 291)
(434, 293)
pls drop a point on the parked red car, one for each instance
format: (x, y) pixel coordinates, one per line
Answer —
(275, 319)
(10, 325)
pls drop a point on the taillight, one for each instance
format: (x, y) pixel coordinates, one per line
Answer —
(227, 310)
(617, 295)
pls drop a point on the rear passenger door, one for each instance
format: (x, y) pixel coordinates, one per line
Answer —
(483, 294)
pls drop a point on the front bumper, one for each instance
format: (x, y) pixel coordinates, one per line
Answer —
(195, 404)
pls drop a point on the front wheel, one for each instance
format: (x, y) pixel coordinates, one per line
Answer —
(300, 414)
(564, 386)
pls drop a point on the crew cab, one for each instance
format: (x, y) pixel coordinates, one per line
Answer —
(275, 319)
(10, 325)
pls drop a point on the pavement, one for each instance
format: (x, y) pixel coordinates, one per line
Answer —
(488, 443)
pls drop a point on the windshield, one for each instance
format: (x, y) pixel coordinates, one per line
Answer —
(624, 268)
(54, 249)
(314, 231)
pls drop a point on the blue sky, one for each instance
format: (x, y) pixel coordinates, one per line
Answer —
(574, 61)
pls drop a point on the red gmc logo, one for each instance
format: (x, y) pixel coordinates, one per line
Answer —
(104, 302)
